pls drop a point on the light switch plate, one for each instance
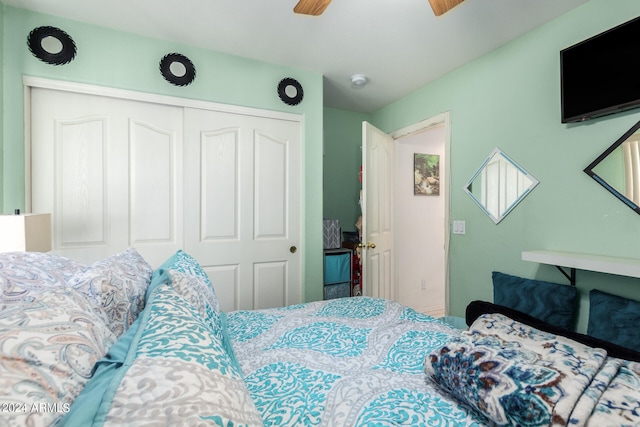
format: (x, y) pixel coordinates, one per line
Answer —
(459, 227)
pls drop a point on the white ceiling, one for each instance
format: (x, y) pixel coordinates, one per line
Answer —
(399, 44)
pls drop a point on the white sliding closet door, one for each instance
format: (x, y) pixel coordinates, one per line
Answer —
(110, 172)
(221, 183)
(242, 206)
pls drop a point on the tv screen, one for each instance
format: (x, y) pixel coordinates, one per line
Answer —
(601, 75)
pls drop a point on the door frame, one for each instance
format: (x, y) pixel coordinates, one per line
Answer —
(424, 125)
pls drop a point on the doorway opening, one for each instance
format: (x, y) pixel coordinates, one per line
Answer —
(405, 234)
(421, 196)
(422, 247)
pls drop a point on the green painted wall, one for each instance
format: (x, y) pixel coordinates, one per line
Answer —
(342, 154)
(3, 101)
(510, 98)
(127, 61)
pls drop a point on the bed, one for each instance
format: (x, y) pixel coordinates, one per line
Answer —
(118, 343)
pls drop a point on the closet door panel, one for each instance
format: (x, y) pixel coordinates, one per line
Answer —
(80, 181)
(270, 283)
(270, 198)
(245, 197)
(152, 173)
(219, 180)
(109, 170)
(226, 280)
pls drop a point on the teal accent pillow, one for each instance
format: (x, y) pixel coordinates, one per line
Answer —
(552, 303)
(614, 318)
(184, 263)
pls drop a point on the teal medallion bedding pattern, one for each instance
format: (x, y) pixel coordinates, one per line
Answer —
(344, 362)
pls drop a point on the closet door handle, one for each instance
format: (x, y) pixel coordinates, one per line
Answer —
(368, 245)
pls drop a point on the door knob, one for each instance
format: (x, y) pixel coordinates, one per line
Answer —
(368, 245)
(293, 249)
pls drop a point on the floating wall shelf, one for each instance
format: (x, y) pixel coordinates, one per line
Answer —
(602, 264)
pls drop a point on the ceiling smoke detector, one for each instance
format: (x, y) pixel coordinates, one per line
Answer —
(358, 80)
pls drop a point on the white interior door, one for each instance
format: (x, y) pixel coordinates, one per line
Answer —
(378, 262)
(243, 198)
(109, 171)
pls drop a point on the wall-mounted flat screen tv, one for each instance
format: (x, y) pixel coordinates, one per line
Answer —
(601, 75)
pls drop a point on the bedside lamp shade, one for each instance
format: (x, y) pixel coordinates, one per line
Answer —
(28, 232)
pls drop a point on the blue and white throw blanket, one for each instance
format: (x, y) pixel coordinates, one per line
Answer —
(517, 375)
(344, 362)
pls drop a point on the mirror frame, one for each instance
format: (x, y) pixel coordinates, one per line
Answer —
(534, 183)
(589, 169)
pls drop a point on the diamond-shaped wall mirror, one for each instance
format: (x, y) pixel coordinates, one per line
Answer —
(618, 168)
(499, 185)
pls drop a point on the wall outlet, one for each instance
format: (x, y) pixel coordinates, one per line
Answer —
(459, 227)
(423, 285)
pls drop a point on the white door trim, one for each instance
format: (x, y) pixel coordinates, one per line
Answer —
(445, 120)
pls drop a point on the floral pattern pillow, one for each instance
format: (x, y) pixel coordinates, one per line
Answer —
(25, 274)
(48, 348)
(117, 286)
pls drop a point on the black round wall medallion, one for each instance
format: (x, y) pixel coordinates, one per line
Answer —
(290, 91)
(51, 45)
(177, 69)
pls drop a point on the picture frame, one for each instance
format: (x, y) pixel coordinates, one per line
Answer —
(426, 174)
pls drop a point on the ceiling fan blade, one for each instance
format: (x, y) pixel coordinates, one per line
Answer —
(441, 6)
(311, 7)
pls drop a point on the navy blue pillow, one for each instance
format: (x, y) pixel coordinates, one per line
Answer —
(550, 302)
(615, 319)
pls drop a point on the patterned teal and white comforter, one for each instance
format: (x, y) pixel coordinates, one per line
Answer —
(345, 362)
(75, 350)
